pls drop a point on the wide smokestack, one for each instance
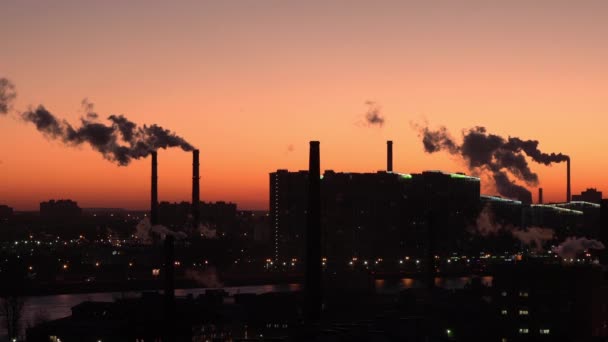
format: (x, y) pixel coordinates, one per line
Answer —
(169, 286)
(568, 184)
(154, 191)
(195, 189)
(313, 237)
(540, 195)
(389, 156)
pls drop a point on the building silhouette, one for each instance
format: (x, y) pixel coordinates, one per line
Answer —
(589, 195)
(63, 209)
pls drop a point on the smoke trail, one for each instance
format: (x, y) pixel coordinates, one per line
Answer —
(485, 152)
(7, 95)
(572, 246)
(373, 116)
(120, 141)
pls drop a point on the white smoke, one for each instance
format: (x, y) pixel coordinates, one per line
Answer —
(207, 278)
(207, 231)
(145, 232)
(573, 246)
(534, 237)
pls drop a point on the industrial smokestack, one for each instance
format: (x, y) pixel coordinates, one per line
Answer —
(154, 197)
(389, 156)
(195, 189)
(540, 195)
(313, 237)
(568, 184)
(169, 286)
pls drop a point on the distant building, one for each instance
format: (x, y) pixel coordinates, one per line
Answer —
(60, 209)
(589, 195)
(220, 216)
(604, 231)
(6, 212)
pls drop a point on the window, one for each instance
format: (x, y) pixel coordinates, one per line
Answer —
(545, 331)
(524, 312)
(504, 293)
(524, 331)
(523, 294)
(504, 312)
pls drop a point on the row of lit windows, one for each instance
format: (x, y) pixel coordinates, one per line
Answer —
(526, 331)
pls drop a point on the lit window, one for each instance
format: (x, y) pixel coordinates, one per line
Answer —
(504, 312)
(524, 331)
(504, 293)
(545, 331)
(524, 294)
(524, 312)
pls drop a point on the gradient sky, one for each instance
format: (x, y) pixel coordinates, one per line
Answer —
(244, 80)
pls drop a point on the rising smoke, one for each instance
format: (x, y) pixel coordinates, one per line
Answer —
(7, 95)
(146, 233)
(533, 237)
(373, 116)
(120, 141)
(207, 278)
(574, 246)
(502, 158)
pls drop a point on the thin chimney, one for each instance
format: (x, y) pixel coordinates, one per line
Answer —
(169, 269)
(312, 285)
(604, 231)
(540, 195)
(389, 156)
(195, 189)
(568, 184)
(154, 197)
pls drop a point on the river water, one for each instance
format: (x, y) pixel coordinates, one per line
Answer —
(58, 306)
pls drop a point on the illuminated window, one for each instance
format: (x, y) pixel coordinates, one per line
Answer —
(545, 331)
(504, 312)
(524, 331)
(523, 294)
(504, 293)
(524, 312)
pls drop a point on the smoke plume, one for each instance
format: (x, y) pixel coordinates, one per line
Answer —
(207, 278)
(207, 231)
(502, 158)
(533, 237)
(146, 232)
(7, 95)
(119, 141)
(373, 116)
(572, 246)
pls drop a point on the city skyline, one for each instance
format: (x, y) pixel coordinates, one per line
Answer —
(187, 68)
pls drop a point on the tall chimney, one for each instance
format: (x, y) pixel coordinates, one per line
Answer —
(195, 189)
(389, 156)
(169, 286)
(568, 192)
(154, 197)
(540, 195)
(312, 285)
(604, 232)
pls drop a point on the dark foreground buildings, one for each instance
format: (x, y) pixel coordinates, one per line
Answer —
(527, 302)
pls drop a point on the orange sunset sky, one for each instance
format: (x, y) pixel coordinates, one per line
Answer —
(245, 80)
